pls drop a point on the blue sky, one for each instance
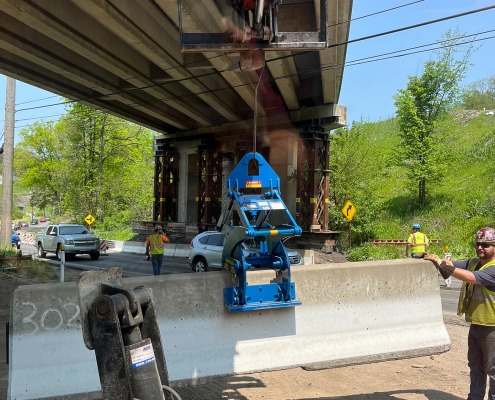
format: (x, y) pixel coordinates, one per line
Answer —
(32, 104)
(367, 88)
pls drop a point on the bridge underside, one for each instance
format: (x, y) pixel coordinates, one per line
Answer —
(179, 73)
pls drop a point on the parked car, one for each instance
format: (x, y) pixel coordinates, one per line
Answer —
(34, 221)
(42, 219)
(16, 240)
(207, 247)
(24, 224)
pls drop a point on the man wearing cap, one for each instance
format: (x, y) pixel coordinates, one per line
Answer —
(417, 242)
(477, 301)
(154, 248)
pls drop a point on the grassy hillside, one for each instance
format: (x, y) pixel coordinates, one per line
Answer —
(458, 205)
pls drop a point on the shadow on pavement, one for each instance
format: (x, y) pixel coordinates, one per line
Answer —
(394, 395)
(220, 388)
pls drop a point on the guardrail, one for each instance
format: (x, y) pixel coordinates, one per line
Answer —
(12, 261)
(399, 242)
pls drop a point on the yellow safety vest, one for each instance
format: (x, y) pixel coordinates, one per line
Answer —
(156, 244)
(419, 242)
(477, 301)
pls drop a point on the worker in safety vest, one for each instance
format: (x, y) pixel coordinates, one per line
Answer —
(154, 248)
(417, 242)
(477, 301)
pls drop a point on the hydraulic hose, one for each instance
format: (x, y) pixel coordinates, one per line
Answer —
(170, 390)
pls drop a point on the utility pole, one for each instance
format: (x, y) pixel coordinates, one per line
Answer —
(8, 161)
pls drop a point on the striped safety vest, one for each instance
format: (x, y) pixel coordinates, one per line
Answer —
(477, 301)
(156, 244)
(418, 242)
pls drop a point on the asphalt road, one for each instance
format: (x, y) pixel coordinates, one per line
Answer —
(132, 264)
(450, 297)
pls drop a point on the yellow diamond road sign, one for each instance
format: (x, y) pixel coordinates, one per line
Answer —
(349, 210)
(89, 219)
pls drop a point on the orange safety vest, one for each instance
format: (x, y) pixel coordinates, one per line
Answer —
(156, 243)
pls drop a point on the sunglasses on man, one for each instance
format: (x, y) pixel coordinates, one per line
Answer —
(484, 245)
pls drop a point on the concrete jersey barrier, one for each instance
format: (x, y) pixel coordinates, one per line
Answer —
(181, 250)
(170, 249)
(350, 313)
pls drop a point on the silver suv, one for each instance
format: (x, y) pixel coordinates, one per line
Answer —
(74, 237)
(207, 247)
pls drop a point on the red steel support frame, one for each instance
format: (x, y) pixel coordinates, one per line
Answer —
(166, 184)
(209, 198)
(312, 179)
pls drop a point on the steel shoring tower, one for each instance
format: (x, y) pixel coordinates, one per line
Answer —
(166, 184)
(312, 179)
(209, 197)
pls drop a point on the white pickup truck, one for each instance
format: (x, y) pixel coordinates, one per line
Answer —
(75, 238)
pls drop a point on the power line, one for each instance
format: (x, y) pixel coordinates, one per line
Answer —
(390, 55)
(47, 116)
(413, 26)
(36, 100)
(376, 13)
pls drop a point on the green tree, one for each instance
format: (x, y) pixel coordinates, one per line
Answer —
(112, 161)
(88, 162)
(422, 105)
(479, 95)
(38, 165)
(353, 164)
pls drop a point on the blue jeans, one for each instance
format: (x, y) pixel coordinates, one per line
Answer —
(481, 361)
(156, 262)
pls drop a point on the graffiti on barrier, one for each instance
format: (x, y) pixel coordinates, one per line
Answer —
(51, 319)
